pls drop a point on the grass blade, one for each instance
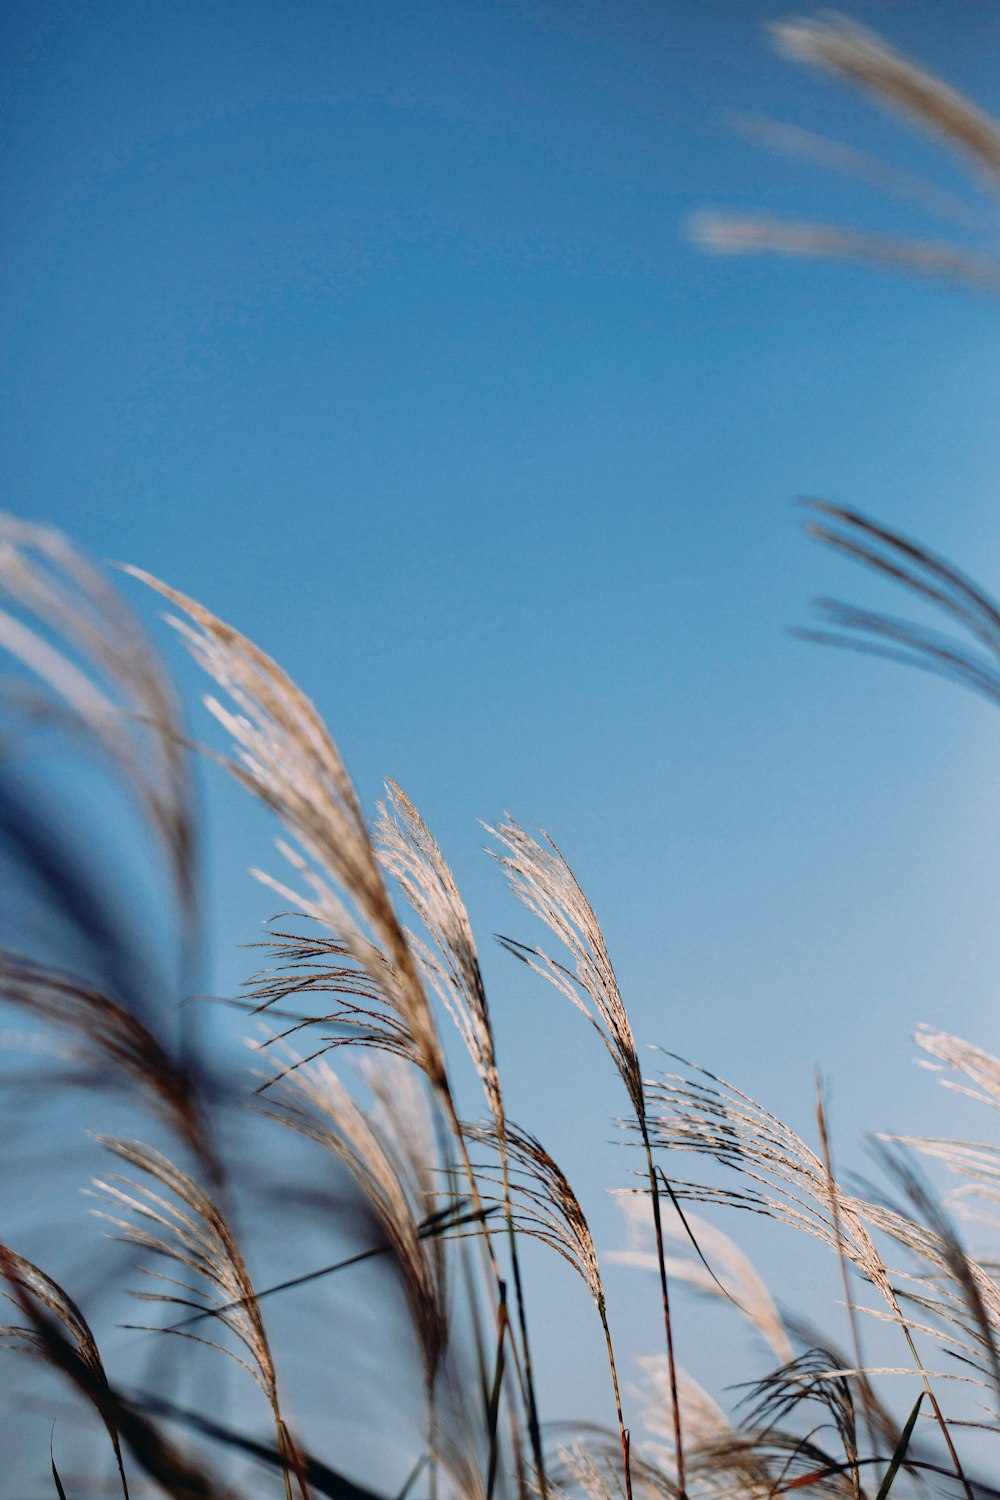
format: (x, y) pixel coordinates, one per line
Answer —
(900, 1450)
(55, 1474)
(493, 1409)
(323, 1479)
(434, 1224)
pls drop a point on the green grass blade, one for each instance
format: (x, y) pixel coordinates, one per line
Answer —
(55, 1473)
(900, 1450)
(412, 1477)
(493, 1411)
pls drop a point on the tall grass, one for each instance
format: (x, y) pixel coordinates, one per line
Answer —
(450, 1203)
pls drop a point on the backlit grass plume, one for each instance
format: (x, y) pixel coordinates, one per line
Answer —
(308, 968)
(286, 758)
(953, 1053)
(408, 850)
(775, 1172)
(541, 878)
(176, 1219)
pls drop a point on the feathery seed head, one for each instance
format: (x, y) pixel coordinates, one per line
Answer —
(188, 1228)
(286, 758)
(543, 880)
(408, 850)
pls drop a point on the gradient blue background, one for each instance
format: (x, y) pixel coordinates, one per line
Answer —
(374, 327)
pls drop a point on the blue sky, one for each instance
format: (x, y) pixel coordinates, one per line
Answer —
(375, 328)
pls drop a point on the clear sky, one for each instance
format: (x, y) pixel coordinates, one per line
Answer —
(374, 327)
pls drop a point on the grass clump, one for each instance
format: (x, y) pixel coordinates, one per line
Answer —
(449, 1204)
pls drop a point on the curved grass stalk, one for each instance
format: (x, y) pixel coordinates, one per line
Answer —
(545, 1207)
(543, 880)
(410, 853)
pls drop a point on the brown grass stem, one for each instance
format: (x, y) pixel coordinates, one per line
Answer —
(290, 1461)
(493, 1404)
(654, 1190)
(938, 1413)
(622, 1429)
(534, 1425)
(408, 850)
(499, 1307)
(838, 1231)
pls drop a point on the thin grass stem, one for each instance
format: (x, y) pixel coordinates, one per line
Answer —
(661, 1261)
(534, 1426)
(838, 1231)
(622, 1429)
